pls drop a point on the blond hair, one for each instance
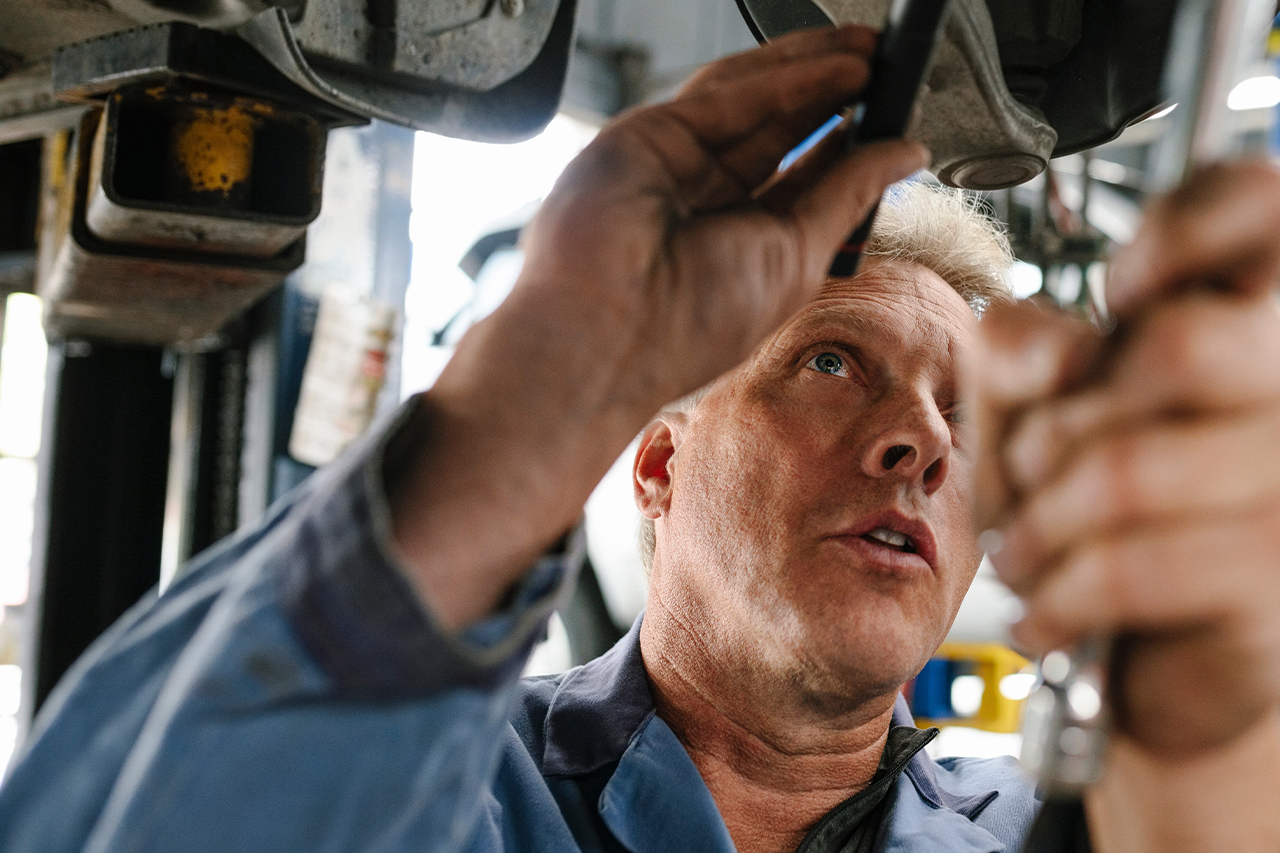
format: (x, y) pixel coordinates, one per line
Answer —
(947, 231)
(942, 229)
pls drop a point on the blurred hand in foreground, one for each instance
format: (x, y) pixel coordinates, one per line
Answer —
(1134, 480)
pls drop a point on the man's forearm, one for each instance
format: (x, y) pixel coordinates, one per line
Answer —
(506, 449)
(1224, 799)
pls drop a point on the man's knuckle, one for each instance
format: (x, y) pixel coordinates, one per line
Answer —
(1175, 341)
(1122, 590)
(1116, 473)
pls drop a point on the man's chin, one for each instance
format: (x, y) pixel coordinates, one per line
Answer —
(861, 665)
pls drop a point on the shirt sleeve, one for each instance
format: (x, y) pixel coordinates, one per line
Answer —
(354, 609)
(288, 693)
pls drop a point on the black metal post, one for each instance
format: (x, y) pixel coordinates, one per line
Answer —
(99, 511)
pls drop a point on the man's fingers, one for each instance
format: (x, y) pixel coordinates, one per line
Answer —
(1218, 229)
(1193, 607)
(749, 123)
(1025, 355)
(801, 44)
(1155, 578)
(1175, 470)
(1198, 354)
(1180, 692)
(775, 255)
(825, 213)
(781, 191)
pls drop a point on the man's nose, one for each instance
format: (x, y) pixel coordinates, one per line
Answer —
(912, 441)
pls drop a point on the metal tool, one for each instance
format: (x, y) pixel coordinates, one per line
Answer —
(902, 56)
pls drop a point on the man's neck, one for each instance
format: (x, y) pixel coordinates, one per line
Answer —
(773, 764)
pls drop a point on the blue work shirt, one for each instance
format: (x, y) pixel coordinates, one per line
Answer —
(289, 693)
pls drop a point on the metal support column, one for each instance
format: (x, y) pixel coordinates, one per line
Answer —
(99, 501)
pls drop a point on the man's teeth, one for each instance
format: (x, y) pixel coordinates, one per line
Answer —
(890, 537)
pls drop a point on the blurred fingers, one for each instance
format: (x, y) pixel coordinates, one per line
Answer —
(1158, 578)
(1219, 229)
(1183, 691)
(1203, 467)
(826, 211)
(1198, 354)
(745, 125)
(1025, 354)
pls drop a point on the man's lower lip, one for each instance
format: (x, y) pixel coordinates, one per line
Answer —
(884, 557)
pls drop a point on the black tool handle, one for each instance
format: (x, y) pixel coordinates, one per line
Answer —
(902, 56)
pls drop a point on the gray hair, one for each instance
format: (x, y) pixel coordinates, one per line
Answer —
(945, 230)
(942, 229)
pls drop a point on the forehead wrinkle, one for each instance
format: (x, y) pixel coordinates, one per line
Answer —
(927, 318)
(908, 305)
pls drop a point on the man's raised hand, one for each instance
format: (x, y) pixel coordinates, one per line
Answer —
(676, 216)
(666, 252)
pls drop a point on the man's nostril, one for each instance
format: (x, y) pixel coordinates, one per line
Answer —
(894, 455)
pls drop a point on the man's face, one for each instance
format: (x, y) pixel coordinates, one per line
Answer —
(819, 520)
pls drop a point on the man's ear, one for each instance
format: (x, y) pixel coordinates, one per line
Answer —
(654, 465)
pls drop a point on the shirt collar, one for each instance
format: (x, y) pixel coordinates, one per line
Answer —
(656, 800)
(923, 774)
(601, 705)
(597, 709)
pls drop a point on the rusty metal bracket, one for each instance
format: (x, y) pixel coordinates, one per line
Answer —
(210, 172)
(144, 294)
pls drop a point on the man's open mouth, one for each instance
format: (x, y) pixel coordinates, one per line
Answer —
(891, 538)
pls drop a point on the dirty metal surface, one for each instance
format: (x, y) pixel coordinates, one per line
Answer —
(97, 288)
(1086, 68)
(512, 111)
(30, 30)
(209, 173)
(152, 55)
(472, 44)
(489, 70)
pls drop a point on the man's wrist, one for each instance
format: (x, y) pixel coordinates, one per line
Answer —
(504, 451)
(1220, 799)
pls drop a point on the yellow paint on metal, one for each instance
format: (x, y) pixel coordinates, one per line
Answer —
(215, 147)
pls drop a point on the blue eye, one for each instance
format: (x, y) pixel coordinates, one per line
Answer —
(828, 362)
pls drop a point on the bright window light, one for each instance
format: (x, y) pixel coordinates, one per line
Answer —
(1017, 686)
(22, 376)
(1256, 93)
(10, 689)
(962, 740)
(1027, 279)
(461, 191)
(10, 694)
(17, 500)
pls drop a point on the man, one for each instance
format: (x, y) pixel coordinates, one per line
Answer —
(344, 678)
(813, 542)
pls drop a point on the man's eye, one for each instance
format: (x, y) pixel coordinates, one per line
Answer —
(828, 362)
(958, 415)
